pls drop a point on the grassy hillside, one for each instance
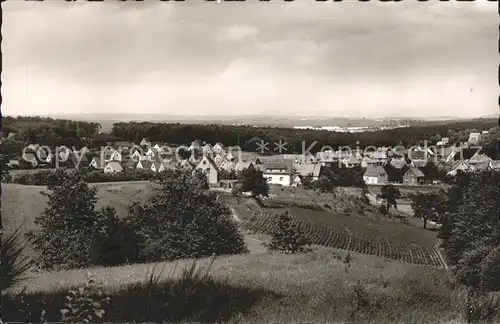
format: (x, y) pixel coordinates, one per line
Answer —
(312, 287)
(345, 223)
(21, 204)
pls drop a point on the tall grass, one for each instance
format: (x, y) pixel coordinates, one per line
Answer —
(14, 263)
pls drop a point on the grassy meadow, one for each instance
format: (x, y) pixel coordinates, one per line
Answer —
(314, 287)
(259, 286)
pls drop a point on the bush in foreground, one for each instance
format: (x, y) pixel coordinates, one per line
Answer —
(73, 234)
(182, 220)
(287, 237)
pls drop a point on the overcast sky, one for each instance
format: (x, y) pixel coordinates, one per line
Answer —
(300, 58)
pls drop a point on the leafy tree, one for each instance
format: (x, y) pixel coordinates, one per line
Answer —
(253, 180)
(228, 175)
(73, 234)
(307, 181)
(324, 184)
(287, 237)
(67, 223)
(389, 194)
(471, 229)
(182, 220)
(115, 241)
(428, 206)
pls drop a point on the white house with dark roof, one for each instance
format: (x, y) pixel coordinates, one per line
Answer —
(136, 155)
(413, 176)
(375, 175)
(458, 166)
(145, 142)
(309, 168)
(113, 167)
(207, 148)
(278, 173)
(208, 166)
(97, 163)
(218, 148)
(116, 156)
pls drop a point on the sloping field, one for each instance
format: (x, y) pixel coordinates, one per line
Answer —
(21, 204)
(269, 288)
(352, 231)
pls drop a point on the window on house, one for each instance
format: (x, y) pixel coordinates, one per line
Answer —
(281, 178)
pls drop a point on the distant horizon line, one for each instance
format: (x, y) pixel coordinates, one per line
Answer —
(144, 116)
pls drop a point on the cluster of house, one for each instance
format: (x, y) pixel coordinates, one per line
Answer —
(285, 170)
(450, 164)
(210, 159)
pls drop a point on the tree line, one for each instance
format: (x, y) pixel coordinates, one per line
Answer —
(248, 136)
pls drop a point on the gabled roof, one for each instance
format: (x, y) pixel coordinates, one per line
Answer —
(240, 166)
(398, 163)
(157, 165)
(308, 168)
(414, 171)
(479, 158)
(282, 167)
(458, 163)
(482, 166)
(115, 165)
(209, 160)
(374, 171)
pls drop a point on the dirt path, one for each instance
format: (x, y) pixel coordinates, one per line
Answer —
(253, 244)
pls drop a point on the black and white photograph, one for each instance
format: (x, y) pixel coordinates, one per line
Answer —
(215, 161)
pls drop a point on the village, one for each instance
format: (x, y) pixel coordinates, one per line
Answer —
(218, 161)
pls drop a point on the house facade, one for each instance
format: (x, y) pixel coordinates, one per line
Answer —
(145, 142)
(413, 176)
(375, 175)
(279, 174)
(208, 166)
(309, 169)
(113, 167)
(97, 163)
(458, 166)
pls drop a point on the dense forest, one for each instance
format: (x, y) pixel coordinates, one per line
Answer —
(49, 131)
(248, 136)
